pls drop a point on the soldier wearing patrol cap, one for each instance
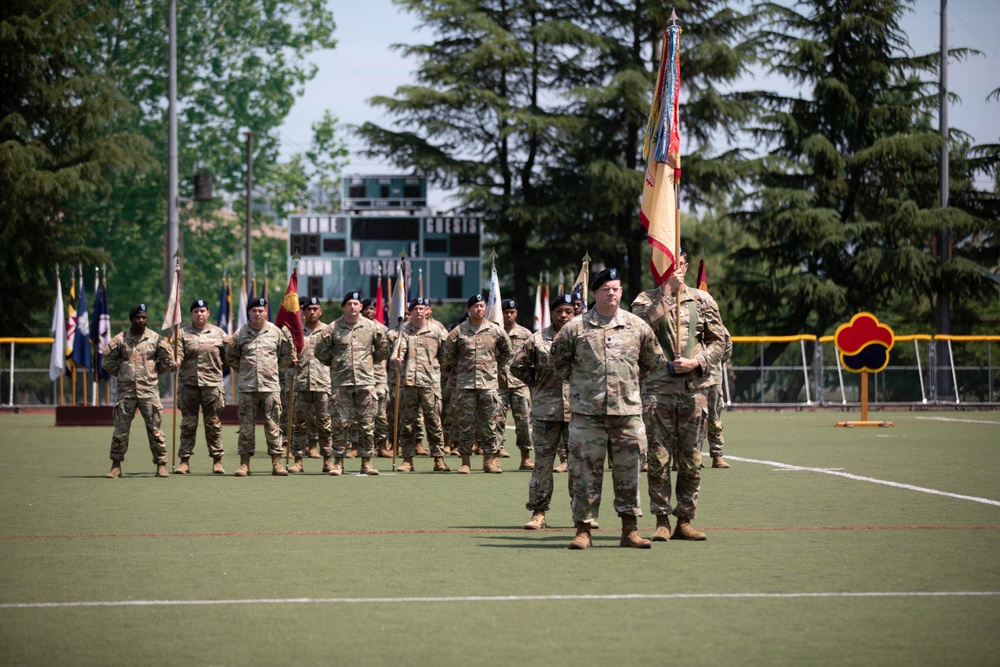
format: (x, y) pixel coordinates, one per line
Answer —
(201, 352)
(312, 391)
(513, 394)
(478, 350)
(257, 352)
(602, 354)
(351, 346)
(136, 357)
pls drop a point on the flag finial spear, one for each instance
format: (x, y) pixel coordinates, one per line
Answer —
(493, 255)
(673, 17)
(586, 257)
(295, 258)
(402, 255)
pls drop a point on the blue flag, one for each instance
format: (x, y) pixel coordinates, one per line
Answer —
(223, 320)
(81, 340)
(100, 332)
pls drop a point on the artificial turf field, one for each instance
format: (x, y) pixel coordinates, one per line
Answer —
(811, 558)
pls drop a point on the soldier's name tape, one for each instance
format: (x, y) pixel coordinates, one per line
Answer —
(503, 598)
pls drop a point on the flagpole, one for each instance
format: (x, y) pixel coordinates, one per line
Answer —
(69, 359)
(62, 385)
(421, 292)
(586, 278)
(294, 372)
(83, 383)
(177, 372)
(104, 282)
(673, 21)
(399, 370)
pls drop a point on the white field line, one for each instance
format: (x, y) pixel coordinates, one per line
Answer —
(964, 421)
(502, 598)
(872, 480)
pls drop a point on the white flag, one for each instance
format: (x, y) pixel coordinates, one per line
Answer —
(58, 361)
(173, 314)
(494, 312)
(241, 315)
(397, 305)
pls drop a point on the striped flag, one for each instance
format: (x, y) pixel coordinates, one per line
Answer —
(659, 211)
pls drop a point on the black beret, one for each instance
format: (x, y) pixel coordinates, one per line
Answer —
(367, 301)
(198, 303)
(351, 296)
(561, 300)
(577, 297)
(259, 302)
(419, 301)
(603, 277)
(305, 301)
(681, 251)
(508, 304)
(474, 299)
(136, 309)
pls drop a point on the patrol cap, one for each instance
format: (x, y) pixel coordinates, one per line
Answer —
(351, 296)
(474, 299)
(562, 300)
(259, 302)
(508, 304)
(198, 303)
(367, 301)
(603, 277)
(136, 309)
(305, 301)
(419, 301)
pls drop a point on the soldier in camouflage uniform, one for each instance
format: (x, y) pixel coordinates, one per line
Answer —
(513, 394)
(603, 354)
(136, 357)
(256, 352)
(674, 402)
(312, 391)
(477, 349)
(351, 346)
(382, 433)
(715, 406)
(201, 350)
(549, 407)
(417, 359)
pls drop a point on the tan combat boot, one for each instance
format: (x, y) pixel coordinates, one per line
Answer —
(662, 533)
(327, 464)
(337, 469)
(422, 451)
(276, 468)
(116, 470)
(367, 468)
(161, 470)
(183, 468)
(719, 462)
(440, 465)
(526, 462)
(244, 469)
(537, 521)
(684, 531)
(313, 452)
(466, 467)
(563, 464)
(217, 466)
(630, 534)
(352, 453)
(491, 464)
(384, 452)
(582, 539)
(295, 468)
(406, 465)
(504, 454)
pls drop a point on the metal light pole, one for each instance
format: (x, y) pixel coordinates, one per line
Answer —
(940, 385)
(249, 248)
(173, 224)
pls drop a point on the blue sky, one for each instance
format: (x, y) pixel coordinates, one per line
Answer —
(363, 66)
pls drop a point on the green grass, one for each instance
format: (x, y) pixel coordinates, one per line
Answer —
(69, 535)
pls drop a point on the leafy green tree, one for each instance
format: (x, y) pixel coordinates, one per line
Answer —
(60, 141)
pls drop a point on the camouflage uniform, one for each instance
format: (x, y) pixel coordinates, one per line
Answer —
(311, 402)
(351, 351)
(476, 354)
(420, 394)
(716, 402)
(550, 413)
(202, 355)
(514, 395)
(382, 432)
(137, 363)
(675, 408)
(603, 360)
(257, 356)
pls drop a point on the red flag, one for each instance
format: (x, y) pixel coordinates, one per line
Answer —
(702, 276)
(289, 314)
(379, 303)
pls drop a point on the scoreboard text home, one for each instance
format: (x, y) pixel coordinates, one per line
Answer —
(343, 253)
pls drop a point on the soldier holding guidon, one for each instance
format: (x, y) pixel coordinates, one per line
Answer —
(312, 391)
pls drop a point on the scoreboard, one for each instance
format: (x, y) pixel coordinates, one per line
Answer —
(344, 253)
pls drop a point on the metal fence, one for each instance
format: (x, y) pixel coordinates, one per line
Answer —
(776, 371)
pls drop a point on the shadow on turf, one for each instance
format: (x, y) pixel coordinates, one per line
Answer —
(537, 541)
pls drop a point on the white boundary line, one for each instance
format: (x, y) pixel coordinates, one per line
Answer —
(964, 421)
(502, 598)
(873, 480)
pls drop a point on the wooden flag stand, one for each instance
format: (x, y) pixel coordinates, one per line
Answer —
(864, 408)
